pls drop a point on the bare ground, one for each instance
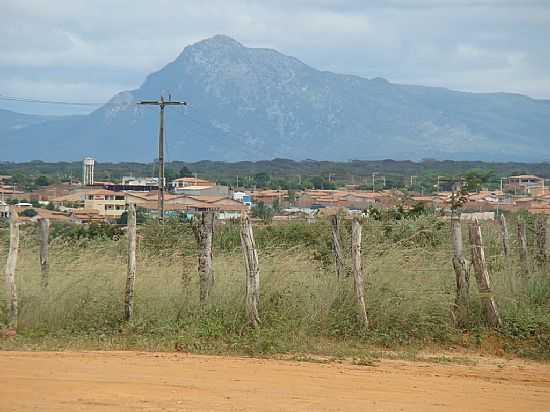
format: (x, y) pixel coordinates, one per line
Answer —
(136, 381)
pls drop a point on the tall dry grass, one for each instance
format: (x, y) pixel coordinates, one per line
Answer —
(303, 307)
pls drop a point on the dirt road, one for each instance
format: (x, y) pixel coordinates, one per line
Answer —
(135, 381)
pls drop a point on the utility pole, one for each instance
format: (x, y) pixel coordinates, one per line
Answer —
(162, 184)
(373, 175)
(439, 183)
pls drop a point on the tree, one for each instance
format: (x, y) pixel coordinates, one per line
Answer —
(29, 213)
(276, 206)
(291, 196)
(185, 172)
(262, 211)
(170, 174)
(261, 179)
(140, 217)
(475, 178)
(42, 180)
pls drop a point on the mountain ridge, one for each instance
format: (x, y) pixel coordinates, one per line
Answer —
(257, 103)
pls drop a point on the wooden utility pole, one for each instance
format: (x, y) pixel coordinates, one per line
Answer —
(523, 252)
(488, 304)
(131, 277)
(11, 264)
(203, 228)
(462, 274)
(505, 235)
(357, 265)
(162, 184)
(252, 270)
(44, 259)
(336, 246)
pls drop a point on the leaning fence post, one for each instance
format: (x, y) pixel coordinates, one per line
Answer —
(44, 258)
(203, 228)
(505, 235)
(336, 246)
(488, 304)
(523, 253)
(10, 270)
(540, 234)
(252, 270)
(131, 278)
(462, 274)
(358, 270)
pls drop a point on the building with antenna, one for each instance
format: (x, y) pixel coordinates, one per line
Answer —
(88, 165)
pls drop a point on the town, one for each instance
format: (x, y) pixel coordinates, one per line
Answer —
(87, 200)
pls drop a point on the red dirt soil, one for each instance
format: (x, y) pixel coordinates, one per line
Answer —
(136, 381)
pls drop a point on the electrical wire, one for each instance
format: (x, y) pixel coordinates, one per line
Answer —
(41, 101)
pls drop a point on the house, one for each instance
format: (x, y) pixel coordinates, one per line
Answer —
(9, 192)
(539, 208)
(177, 184)
(81, 216)
(108, 203)
(45, 194)
(530, 183)
(243, 198)
(224, 207)
(203, 190)
(269, 196)
(4, 210)
(51, 215)
(70, 200)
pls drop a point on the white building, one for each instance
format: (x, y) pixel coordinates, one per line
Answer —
(140, 181)
(4, 210)
(243, 198)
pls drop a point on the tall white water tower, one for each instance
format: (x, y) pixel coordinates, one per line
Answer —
(88, 165)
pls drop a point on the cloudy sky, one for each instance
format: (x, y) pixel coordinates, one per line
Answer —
(87, 50)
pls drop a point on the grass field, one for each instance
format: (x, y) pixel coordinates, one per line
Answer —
(304, 309)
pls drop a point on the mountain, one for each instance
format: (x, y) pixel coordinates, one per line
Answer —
(249, 103)
(11, 122)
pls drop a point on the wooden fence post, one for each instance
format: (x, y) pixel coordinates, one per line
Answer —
(336, 245)
(203, 228)
(460, 265)
(523, 253)
(252, 270)
(10, 270)
(488, 304)
(358, 270)
(131, 277)
(44, 258)
(547, 240)
(540, 237)
(505, 235)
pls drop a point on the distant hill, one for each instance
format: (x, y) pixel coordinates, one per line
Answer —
(248, 103)
(11, 122)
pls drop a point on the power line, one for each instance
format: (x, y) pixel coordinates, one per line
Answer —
(41, 101)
